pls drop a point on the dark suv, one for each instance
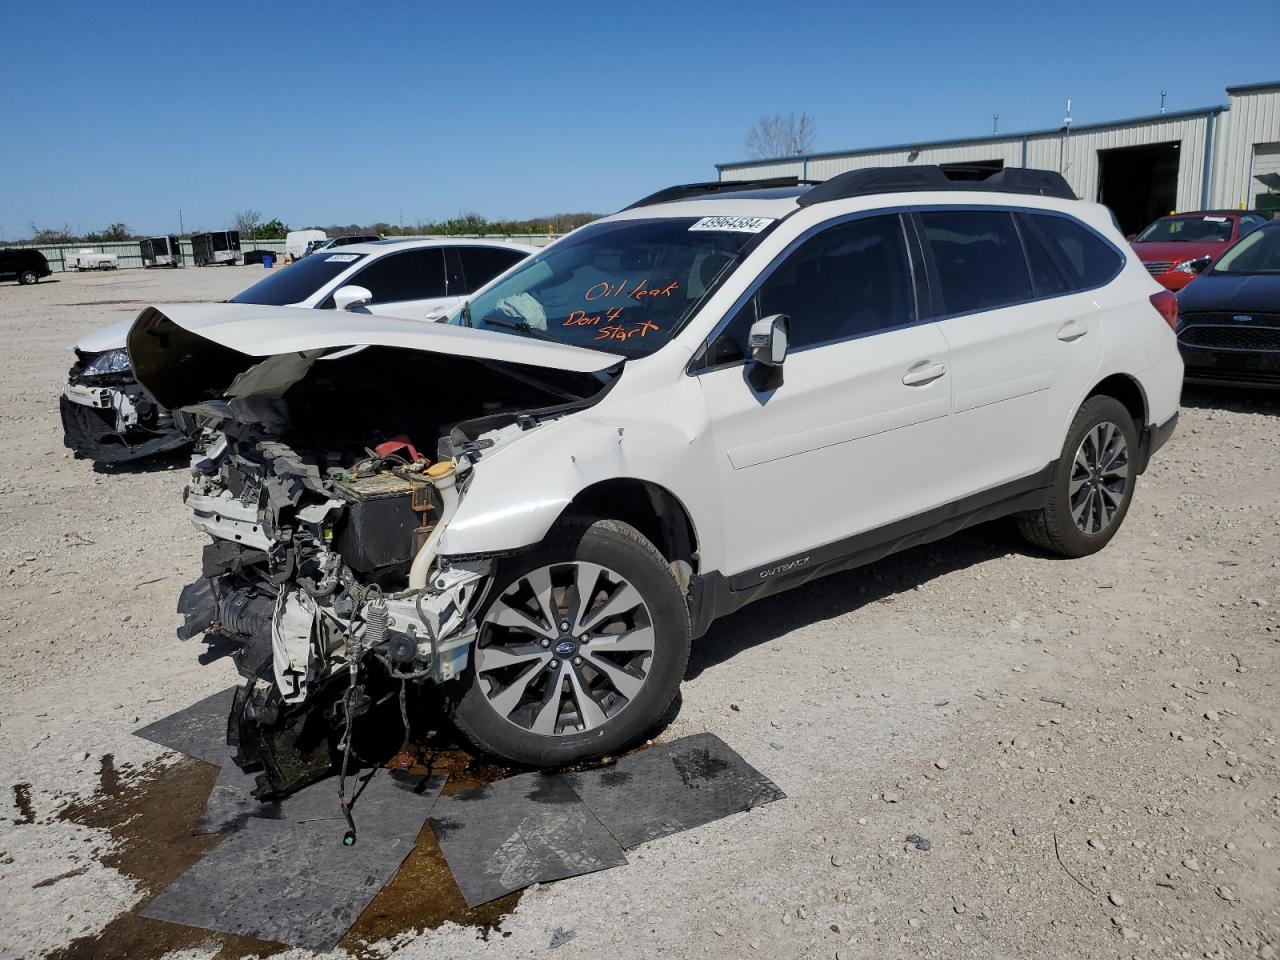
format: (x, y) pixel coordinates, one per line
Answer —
(25, 266)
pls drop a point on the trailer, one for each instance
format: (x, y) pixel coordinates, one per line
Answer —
(86, 259)
(296, 241)
(161, 251)
(222, 246)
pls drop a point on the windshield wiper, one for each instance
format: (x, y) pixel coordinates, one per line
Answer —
(520, 326)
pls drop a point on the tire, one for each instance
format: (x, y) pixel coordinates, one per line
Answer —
(541, 695)
(1093, 482)
(28, 277)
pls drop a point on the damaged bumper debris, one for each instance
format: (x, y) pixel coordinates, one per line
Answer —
(323, 577)
(108, 417)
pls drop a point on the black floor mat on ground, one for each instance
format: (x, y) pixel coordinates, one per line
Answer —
(387, 803)
(670, 788)
(523, 830)
(285, 882)
(283, 875)
(199, 731)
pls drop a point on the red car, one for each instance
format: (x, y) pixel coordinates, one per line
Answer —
(1175, 248)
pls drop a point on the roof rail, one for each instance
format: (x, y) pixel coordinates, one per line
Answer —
(686, 191)
(873, 180)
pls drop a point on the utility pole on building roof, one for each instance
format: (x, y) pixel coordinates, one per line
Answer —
(995, 123)
(1163, 94)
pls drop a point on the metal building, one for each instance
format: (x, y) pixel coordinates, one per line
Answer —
(1142, 168)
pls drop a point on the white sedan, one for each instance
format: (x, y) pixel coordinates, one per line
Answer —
(108, 417)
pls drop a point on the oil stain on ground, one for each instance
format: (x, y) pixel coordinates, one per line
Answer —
(150, 813)
(22, 800)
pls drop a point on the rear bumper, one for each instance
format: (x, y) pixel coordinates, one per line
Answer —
(1153, 437)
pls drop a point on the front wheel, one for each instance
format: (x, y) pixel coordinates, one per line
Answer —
(582, 648)
(1092, 483)
(28, 277)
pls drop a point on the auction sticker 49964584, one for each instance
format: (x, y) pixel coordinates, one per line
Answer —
(734, 224)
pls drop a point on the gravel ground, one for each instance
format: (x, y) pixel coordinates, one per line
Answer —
(1089, 747)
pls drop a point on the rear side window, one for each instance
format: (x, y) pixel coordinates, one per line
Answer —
(977, 257)
(1046, 276)
(482, 264)
(411, 275)
(1088, 259)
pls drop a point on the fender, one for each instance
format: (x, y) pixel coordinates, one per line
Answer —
(518, 491)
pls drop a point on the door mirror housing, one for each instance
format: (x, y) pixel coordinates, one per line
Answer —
(351, 296)
(768, 339)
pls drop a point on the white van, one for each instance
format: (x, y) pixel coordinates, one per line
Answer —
(295, 242)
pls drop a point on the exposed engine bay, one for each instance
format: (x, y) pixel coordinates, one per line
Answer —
(331, 477)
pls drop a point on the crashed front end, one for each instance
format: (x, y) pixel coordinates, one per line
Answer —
(324, 510)
(108, 417)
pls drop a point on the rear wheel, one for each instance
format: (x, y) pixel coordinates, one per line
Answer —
(581, 649)
(1092, 483)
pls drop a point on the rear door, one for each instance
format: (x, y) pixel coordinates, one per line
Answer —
(851, 435)
(1023, 343)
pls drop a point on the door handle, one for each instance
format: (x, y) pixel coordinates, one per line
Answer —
(923, 373)
(1072, 330)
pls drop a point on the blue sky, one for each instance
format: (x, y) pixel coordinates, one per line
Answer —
(364, 111)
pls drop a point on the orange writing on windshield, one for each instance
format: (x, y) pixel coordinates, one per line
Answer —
(580, 318)
(619, 332)
(607, 290)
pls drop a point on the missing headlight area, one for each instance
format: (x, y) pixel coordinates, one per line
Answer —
(322, 578)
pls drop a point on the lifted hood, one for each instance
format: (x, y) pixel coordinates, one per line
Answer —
(186, 354)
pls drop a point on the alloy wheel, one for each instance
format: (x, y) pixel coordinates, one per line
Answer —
(565, 648)
(1099, 478)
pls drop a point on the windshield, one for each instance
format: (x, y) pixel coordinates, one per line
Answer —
(1187, 230)
(296, 282)
(626, 287)
(1259, 252)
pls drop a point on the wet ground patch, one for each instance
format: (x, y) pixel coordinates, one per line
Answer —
(150, 812)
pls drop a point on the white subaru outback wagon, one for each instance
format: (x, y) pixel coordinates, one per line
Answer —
(725, 390)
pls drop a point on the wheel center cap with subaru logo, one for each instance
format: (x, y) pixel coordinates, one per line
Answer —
(566, 648)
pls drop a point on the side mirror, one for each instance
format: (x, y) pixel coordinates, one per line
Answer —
(1201, 264)
(351, 296)
(1131, 237)
(768, 339)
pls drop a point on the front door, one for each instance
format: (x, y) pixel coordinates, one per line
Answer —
(848, 434)
(411, 284)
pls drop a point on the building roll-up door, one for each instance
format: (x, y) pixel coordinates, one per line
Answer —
(1266, 160)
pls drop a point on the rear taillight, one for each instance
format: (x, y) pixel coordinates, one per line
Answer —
(1166, 304)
